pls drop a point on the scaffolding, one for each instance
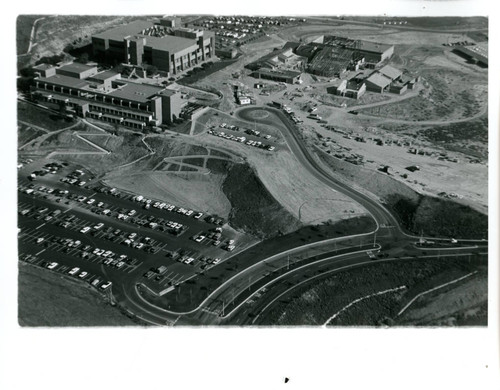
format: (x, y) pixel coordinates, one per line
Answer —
(331, 61)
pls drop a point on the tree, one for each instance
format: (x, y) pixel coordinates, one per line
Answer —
(83, 58)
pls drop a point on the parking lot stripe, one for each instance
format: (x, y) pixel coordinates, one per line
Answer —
(43, 250)
(38, 227)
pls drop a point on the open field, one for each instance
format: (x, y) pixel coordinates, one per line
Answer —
(314, 304)
(48, 299)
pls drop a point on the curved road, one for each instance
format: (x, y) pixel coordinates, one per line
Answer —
(214, 309)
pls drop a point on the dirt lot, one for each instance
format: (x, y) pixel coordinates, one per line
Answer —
(47, 299)
(313, 305)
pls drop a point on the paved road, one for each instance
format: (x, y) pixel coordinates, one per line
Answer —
(381, 215)
(336, 23)
(231, 292)
(257, 307)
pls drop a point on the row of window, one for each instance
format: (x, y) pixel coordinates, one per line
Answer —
(120, 113)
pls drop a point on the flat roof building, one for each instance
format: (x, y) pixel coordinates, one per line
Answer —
(106, 96)
(163, 44)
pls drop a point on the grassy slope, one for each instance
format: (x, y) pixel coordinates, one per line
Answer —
(24, 23)
(39, 117)
(253, 207)
(314, 304)
(47, 299)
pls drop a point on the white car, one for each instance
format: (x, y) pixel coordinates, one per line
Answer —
(188, 260)
(198, 216)
(40, 240)
(106, 285)
(189, 212)
(83, 274)
(199, 238)
(91, 201)
(132, 212)
(132, 236)
(74, 271)
(85, 229)
(52, 265)
(216, 260)
(98, 226)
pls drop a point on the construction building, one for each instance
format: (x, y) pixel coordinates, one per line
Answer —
(348, 88)
(283, 76)
(381, 80)
(163, 44)
(330, 56)
(82, 90)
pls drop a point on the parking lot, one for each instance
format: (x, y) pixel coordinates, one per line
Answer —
(101, 233)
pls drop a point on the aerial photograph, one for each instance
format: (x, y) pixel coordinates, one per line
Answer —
(252, 171)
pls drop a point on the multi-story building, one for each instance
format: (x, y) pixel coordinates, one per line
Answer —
(105, 96)
(162, 44)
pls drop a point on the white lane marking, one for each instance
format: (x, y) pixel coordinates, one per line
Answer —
(43, 250)
(38, 227)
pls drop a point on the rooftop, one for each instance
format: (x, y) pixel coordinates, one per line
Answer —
(390, 72)
(43, 66)
(170, 43)
(135, 92)
(374, 46)
(107, 74)
(65, 81)
(77, 67)
(120, 32)
(379, 80)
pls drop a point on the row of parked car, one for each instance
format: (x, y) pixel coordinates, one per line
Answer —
(242, 139)
(93, 280)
